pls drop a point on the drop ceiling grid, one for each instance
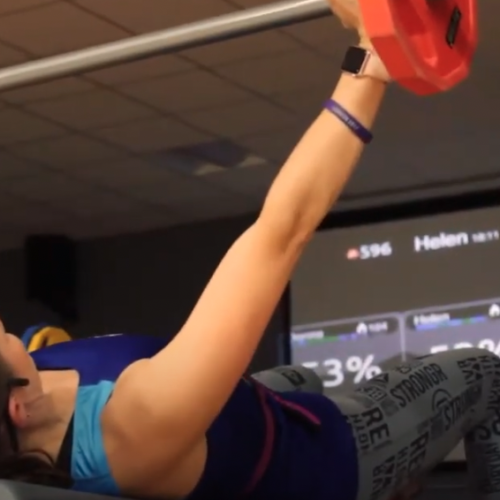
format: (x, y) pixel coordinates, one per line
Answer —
(20, 148)
(47, 105)
(66, 195)
(62, 157)
(72, 85)
(83, 196)
(259, 91)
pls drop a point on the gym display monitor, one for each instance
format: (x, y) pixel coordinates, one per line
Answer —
(367, 298)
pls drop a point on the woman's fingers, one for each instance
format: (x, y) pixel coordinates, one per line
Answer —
(348, 13)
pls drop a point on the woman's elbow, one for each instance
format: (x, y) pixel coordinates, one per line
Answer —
(289, 231)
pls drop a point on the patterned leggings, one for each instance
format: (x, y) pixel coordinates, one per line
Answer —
(408, 419)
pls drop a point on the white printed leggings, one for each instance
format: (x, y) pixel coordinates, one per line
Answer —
(408, 419)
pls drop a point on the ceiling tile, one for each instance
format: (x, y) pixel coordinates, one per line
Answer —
(290, 71)
(451, 115)
(154, 185)
(216, 155)
(58, 88)
(317, 31)
(379, 174)
(177, 192)
(11, 167)
(253, 182)
(56, 28)
(97, 203)
(252, 117)
(10, 56)
(239, 49)
(187, 91)
(34, 217)
(97, 108)
(66, 151)
(463, 159)
(150, 182)
(252, 3)
(18, 126)
(326, 35)
(122, 174)
(306, 103)
(72, 197)
(184, 162)
(142, 16)
(8, 6)
(216, 206)
(115, 224)
(275, 146)
(380, 178)
(151, 135)
(28, 216)
(140, 70)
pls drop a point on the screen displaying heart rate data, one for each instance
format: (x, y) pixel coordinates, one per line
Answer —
(366, 298)
(348, 352)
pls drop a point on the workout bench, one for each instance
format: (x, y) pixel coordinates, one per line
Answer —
(19, 491)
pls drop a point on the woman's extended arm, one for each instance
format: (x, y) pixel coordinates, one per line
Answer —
(216, 344)
(185, 386)
(200, 367)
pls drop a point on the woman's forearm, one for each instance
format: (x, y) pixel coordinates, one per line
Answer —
(320, 165)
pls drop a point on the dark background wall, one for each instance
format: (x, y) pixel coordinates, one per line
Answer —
(138, 284)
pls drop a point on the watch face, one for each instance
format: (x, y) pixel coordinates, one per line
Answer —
(354, 60)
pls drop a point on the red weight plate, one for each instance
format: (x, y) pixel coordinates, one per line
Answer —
(426, 45)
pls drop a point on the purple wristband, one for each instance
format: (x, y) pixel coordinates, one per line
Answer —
(344, 116)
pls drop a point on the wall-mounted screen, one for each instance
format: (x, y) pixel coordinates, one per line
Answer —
(366, 298)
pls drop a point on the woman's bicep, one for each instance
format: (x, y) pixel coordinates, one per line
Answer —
(191, 379)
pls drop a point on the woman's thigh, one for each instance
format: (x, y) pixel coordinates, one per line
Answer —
(407, 420)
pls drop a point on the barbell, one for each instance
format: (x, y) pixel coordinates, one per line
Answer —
(426, 45)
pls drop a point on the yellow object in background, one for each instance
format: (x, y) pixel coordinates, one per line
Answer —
(47, 336)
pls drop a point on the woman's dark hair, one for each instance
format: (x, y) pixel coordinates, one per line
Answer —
(36, 466)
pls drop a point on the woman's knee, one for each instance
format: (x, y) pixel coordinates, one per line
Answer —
(408, 419)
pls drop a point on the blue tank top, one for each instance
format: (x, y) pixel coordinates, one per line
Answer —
(89, 465)
(260, 446)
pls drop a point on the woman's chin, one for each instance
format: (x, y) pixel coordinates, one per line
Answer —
(13, 342)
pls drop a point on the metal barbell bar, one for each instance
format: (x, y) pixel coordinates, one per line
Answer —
(217, 29)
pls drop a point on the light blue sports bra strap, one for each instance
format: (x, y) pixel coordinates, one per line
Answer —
(89, 464)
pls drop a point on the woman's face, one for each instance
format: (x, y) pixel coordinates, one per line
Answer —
(12, 350)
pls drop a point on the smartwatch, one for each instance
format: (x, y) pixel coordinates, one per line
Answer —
(360, 62)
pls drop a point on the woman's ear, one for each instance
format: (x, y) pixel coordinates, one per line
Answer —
(17, 411)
